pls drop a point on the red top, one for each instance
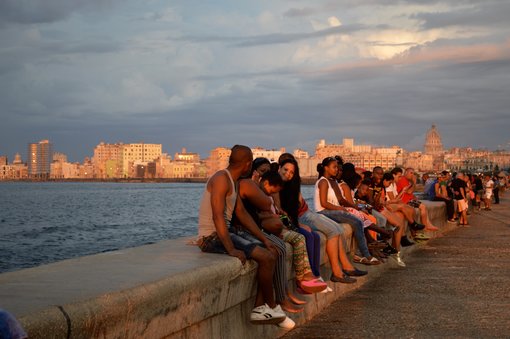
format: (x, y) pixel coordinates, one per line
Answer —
(302, 208)
(401, 184)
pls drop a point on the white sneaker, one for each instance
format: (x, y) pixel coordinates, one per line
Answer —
(399, 260)
(278, 309)
(287, 324)
(264, 314)
(327, 290)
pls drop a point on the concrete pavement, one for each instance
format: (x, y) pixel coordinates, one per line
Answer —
(455, 286)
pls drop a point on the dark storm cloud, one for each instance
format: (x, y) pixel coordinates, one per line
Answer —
(377, 105)
(279, 38)
(45, 11)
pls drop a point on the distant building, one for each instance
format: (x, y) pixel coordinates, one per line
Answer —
(61, 157)
(40, 157)
(433, 144)
(138, 153)
(300, 154)
(107, 160)
(164, 166)
(271, 154)
(419, 161)
(218, 159)
(185, 156)
(17, 159)
(3, 160)
(364, 156)
(15, 171)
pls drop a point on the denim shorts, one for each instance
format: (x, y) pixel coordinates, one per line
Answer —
(241, 240)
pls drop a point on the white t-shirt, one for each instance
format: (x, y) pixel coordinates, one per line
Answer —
(393, 189)
(489, 185)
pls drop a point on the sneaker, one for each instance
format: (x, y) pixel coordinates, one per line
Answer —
(389, 250)
(399, 260)
(287, 324)
(264, 314)
(327, 290)
(406, 242)
(416, 226)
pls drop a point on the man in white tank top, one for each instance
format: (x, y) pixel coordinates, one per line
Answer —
(219, 202)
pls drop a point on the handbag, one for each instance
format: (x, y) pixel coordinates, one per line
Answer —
(471, 195)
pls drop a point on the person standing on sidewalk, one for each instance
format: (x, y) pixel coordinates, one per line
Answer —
(489, 186)
(459, 191)
(496, 189)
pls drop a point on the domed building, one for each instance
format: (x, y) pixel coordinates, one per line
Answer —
(434, 148)
(433, 144)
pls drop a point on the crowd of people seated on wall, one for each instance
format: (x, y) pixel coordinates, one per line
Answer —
(253, 207)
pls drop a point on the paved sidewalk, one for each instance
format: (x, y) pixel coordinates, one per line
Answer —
(456, 286)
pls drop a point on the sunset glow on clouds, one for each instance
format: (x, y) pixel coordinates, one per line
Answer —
(202, 74)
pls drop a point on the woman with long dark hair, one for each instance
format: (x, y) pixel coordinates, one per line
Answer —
(326, 203)
(294, 204)
(254, 201)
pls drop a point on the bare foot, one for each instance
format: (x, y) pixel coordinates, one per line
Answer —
(290, 307)
(431, 228)
(295, 299)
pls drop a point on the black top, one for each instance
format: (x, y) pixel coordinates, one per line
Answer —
(457, 184)
(479, 184)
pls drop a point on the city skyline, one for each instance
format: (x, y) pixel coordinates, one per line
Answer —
(271, 74)
(166, 150)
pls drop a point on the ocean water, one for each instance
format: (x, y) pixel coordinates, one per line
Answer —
(46, 222)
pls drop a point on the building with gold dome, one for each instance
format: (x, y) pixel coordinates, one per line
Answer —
(433, 144)
(434, 149)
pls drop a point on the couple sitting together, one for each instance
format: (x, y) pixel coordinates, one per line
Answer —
(250, 210)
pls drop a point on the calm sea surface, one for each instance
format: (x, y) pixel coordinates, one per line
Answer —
(46, 222)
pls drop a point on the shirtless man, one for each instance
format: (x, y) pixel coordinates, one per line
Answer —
(219, 202)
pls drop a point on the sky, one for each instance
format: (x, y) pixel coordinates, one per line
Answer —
(202, 74)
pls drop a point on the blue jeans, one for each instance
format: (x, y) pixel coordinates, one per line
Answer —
(241, 240)
(319, 222)
(313, 247)
(357, 227)
(381, 219)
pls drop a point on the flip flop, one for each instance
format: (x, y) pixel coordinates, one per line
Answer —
(313, 286)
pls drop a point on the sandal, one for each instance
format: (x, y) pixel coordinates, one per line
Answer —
(356, 259)
(366, 261)
(421, 236)
(313, 286)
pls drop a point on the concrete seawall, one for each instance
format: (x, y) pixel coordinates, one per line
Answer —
(168, 289)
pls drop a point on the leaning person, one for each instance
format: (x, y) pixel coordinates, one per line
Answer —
(460, 195)
(406, 186)
(255, 201)
(326, 203)
(294, 204)
(441, 194)
(219, 202)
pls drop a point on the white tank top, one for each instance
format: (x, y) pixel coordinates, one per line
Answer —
(205, 215)
(331, 196)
